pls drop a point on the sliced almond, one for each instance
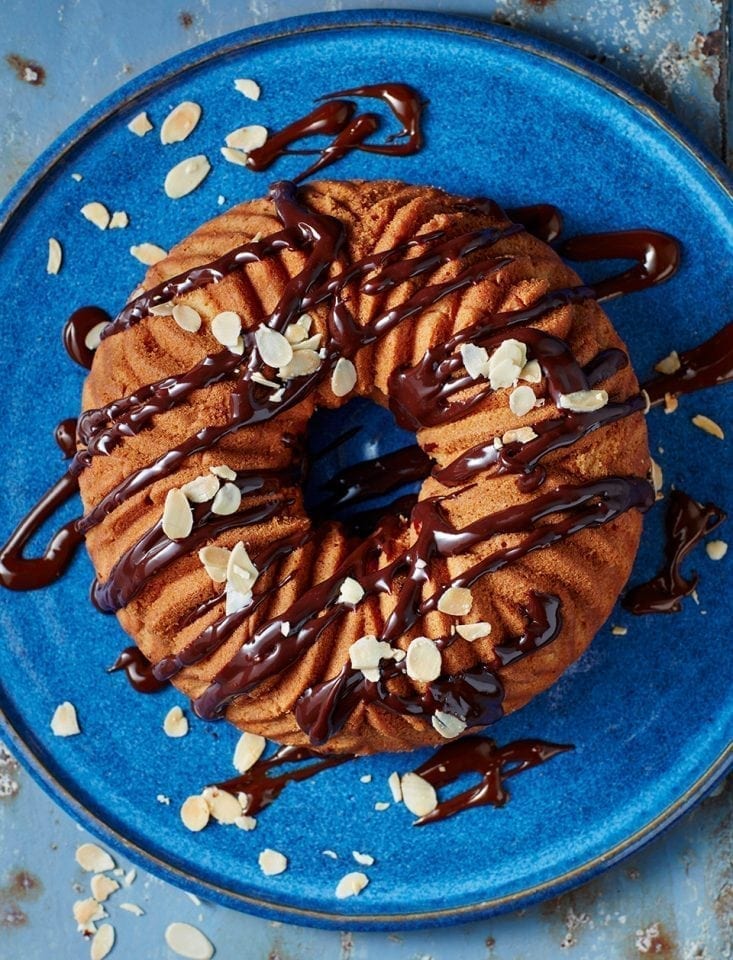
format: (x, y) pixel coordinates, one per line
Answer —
(102, 887)
(273, 347)
(133, 908)
(521, 400)
(86, 913)
(223, 806)
(531, 372)
(93, 858)
(245, 823)
(186, 176)
(272, 862)
(395, 786)
(247, 138)
(195, 813)
(351, 591)
(295, 333)
(583, 401)
(241, 572)
(223, 471)
(77, 177)
(175, 723)
(215, 561)
(310, 343)
(257, 377)
(424, 661)
(177, 522)
(380, 806)
(140, 124)
(55, 256)
(619, 631)
(343, 378)
(473, 631)
(669, 364)
(418, 795)
(236, 157)
(447, 725)
(227, 500)
(94, 336)
(164, 309)
(475, 360)
(226, 327)
(248, 88)
(520, 435)
(202, 489)
(188, 941)
(456, 601)
(180, 122)
(506, 363)
(351, 885)
(708, 426)
(670, 403)
(657, 476)
(304, 363)
(250, 748)
(64, 722)
(187, 318)
(119, 220)
(148, 253)
(235, 600)
(366, 653)
(716, 549)
(96, 213)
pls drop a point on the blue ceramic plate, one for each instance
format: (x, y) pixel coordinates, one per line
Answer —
(650, 713)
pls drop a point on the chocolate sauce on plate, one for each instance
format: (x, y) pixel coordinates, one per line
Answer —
(138, 670)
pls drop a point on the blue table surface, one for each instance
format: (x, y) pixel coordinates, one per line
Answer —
(674, 900)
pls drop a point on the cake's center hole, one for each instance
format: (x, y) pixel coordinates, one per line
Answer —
(361, 465)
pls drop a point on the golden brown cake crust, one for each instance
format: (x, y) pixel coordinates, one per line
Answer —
(586, 571)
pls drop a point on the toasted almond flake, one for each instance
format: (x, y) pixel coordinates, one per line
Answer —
(351, 591)
(77, 176)
(365, 778)
(657, 477)
(506, 363)
(247, 138)
(215, 561)
(86, 913)
(351, 885)
(272, 862)
(456, 601)
(447, 725)
(259, 378)
(132, 908)
(201, 489)
(245, 823)
(669, 364)
(188, 941)
(180, 122)
(364, 859)
(223, 471)
(234, 156)
(186, 176)
(365, 654)
(94, 336)
(670, 403)
(241, 572)
(716, 549)
(177, 521)
(119, 220)
(249, 749)
(96, 213)
(64, 722)
(235, 600)
(619, 631)
(161, 798)
(227, 500)
(531, 372)
(418, 795)
(520, 435)
(395, 786)
(331, 854)
(277, 396)
(130, 876)
(164, 309)
(103, 886)
(380, 806)
(93, 859)
(304, 362)
(708, 425)
(475, 360)
(140, 124)
(237, 347)
(273, 347)
(295, 333)
(583, 401)
(221, 200)
(148, 253)
(226, 327)
(193, 898)
(223, 806)
(424, 661)
(102, 942)
(55, 256)
(195, 813)
(521, 400)
(175, 723)
(310, 343)
(473, 631)
(343, 378)
(248, 88)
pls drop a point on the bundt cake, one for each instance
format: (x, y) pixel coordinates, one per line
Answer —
(451, 611)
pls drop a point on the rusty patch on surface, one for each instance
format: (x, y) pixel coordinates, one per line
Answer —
(656, 942)
(9, 786)
(21, 885)
(573, 910)
(26, 70)
(185, 19)
(539, 4)
(712, 43)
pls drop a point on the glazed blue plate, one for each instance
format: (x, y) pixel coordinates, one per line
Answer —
(650, 713)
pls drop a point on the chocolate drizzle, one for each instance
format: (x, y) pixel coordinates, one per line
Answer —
(77, 327)
(138, 670)
(687, 523)
(709, 364)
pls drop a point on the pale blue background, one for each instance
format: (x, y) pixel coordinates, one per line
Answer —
(684, 882)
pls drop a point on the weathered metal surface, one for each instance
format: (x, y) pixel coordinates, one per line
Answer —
(672, 901)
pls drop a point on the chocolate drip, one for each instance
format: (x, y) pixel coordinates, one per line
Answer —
(687, 523)
(544, 622)
(542, 220)
(262, 786)
(80, 323)
(493, 764)
(138, 670)
(707, 365)
(65, 437)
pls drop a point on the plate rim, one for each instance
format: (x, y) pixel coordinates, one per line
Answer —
(125, 96)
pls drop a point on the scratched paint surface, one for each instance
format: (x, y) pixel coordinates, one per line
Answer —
(673, 901)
